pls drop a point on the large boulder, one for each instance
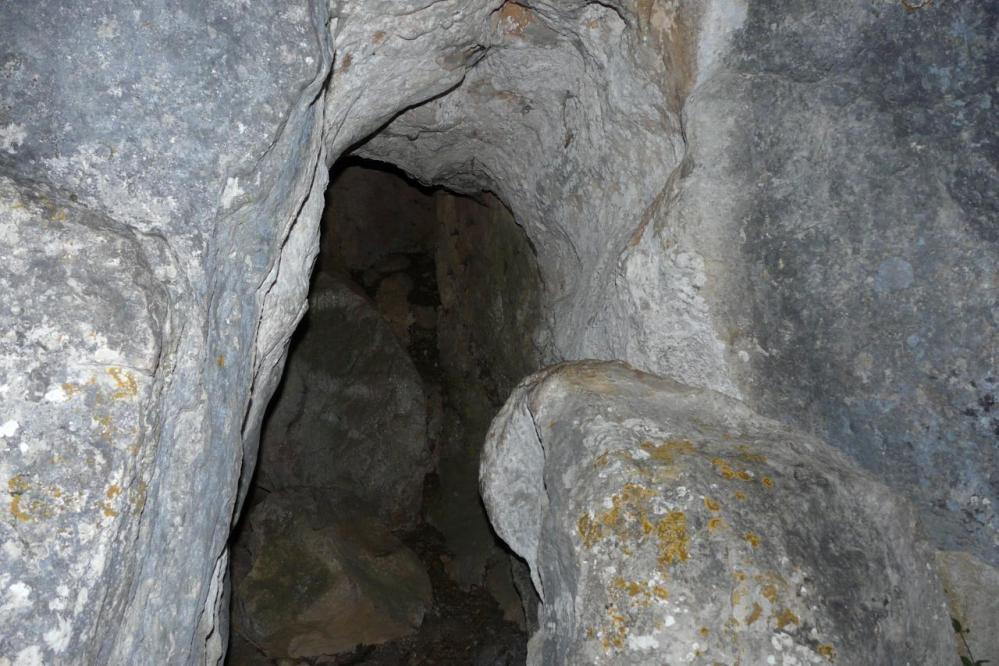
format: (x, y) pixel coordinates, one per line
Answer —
(665, 524)
(350, 419)
(317, 580)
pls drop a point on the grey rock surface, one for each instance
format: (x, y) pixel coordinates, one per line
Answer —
(791, 203)
(665, 524)
(972, 589)
(155, 160)
(350, 419)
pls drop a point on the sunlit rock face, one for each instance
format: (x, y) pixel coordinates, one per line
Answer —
(667, 524)
(794, 205)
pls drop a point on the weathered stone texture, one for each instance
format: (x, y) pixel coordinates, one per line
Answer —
(668, 524)
(161, 156)
(318, 580)
(790, 203)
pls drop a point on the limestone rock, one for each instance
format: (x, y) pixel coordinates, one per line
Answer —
(79, 349)
(667, 524)
(350, 419)
(321, 580)
(972, 589)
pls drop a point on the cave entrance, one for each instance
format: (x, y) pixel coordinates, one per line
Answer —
(364, 539)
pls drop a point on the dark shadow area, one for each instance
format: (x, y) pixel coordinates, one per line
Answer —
(364, 539)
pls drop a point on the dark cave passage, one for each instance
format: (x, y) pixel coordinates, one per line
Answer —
(364, 539)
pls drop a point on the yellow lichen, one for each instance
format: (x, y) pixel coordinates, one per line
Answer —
(704, 631)
(70, 389)
(826, 651)
(125, 381)
(667, 451)
(786, 617)
(16, 487)
(754, 614)
(113, 491)
(220, 361)
(752, 539)
(741, 496)
(767, 481)
(108, 511)
(716, 523)
(711, 504)
(770, 593)
(673, 539)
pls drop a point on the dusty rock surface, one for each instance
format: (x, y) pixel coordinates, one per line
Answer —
(350, 419)
(668, 524)
(317, 580)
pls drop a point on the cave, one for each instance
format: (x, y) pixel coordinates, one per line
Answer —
(627, 331)
(364, 539)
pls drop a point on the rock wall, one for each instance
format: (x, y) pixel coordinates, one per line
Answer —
(155, 162)
(788, 203)
(791, 205)
(667, 524)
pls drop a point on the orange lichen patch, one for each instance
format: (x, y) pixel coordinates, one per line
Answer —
(716, 524)
(642, 593)
(625, 506)
(667, 451)
(754, 614)
(16, 487)
(769, 593)
(591, 633)
(113, 491)
(378, 37)
(827, 651)
(739, 576)
(786, 617)
(631, 587)
(752, 539)
(514, 18)
(108, 511)
(346, 62)
(744, 475)
(673, 539)
(25, 509)
(617, 631)
(723, 468)
(220, 361)
(602, 460)
(741, 496)
(70, 389)
(125, 381)
(711, 504)
(704, 631)
(767, 481)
